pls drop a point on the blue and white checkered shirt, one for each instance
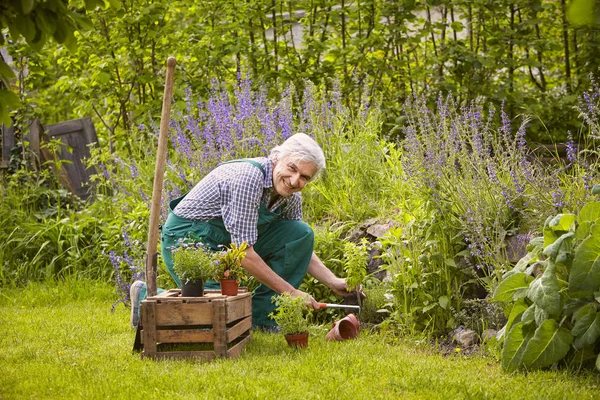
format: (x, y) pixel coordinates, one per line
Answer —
(234, 192)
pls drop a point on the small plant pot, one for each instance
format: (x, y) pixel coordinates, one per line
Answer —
(192, 289)
(297, 339)
(344, 329)
(229, 287)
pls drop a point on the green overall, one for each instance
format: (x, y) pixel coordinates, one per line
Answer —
(285, 245)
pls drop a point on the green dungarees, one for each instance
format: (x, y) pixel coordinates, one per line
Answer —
(285, 245)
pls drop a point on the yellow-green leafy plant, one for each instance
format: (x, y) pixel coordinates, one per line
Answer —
(229, 262)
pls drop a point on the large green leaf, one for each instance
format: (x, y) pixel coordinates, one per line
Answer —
(573, 305)
(556, 226)
(516, 314)
(549, 345)
(589, 212)
(543, 291)
(10, 99)
(529, 314)
(557, 248)
(587, 326)
(510, 286)
(27, 6)
(514, 346)
(540, 315)
(582, 12)
(584, 278)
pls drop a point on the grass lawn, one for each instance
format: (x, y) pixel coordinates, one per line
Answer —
(62, 341)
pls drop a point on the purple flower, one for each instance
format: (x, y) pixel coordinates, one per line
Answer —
(571, 149)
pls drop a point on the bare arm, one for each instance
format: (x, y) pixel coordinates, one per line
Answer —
(256, 267)
(317, 269)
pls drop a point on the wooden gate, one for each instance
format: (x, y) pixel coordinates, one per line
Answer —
(76, 136)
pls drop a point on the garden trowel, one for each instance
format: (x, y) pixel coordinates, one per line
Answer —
(328, 305)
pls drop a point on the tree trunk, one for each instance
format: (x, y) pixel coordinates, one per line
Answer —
(565, 34)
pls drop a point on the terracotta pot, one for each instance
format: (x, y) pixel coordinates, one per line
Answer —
(192, 288)
(345, 328)
(229, 287)
(297, 339)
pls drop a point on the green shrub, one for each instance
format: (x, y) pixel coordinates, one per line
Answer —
(553, 294)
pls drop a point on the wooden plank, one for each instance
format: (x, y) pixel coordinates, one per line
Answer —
(236, 350)
(185, 336)
(166, 294)
(175, 294)
(172, 313)
(35, 137)
(8, 142)
(149, 327)
(89, 130)
(200, 355)
(238, 329)
(65, 127)
(76, 135)
(220, 327)
(239, 306)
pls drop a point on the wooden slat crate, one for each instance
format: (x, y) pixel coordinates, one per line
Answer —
(219, 324)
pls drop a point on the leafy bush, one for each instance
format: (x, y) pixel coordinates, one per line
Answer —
(49, 233)
(553, 295)
(426, 282)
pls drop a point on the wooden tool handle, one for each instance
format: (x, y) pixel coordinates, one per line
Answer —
(159, 175)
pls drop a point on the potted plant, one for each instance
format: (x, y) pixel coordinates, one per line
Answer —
(194, 264)
(230, 270)
(292, 315)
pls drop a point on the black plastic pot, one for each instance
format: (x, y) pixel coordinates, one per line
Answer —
(192, 288)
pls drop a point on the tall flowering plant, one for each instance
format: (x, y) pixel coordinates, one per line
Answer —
(229, 262)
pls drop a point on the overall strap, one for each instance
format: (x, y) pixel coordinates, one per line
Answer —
(256, 164)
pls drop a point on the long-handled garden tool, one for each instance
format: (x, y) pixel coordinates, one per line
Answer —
(159, 175)
(347, 307)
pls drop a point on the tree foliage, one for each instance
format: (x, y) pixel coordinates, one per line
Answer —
(37, 22)
(532, 55)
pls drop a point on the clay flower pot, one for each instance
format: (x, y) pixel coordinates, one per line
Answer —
(345, 328)
(192, 288)
(299, 340)
(229, 287)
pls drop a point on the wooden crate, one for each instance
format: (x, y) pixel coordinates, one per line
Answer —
(219, 324)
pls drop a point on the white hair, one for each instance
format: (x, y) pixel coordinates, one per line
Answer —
(300, 147)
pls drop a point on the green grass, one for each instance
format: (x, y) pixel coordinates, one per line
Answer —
(62, 341)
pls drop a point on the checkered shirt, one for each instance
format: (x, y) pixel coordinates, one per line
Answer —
(234, 192)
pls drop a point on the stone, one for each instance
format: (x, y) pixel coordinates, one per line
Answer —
(465, 337)
(378, 230)
(488, 334)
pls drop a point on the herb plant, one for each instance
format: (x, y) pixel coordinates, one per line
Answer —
(192, 261)
(292, 313)
(355, 263)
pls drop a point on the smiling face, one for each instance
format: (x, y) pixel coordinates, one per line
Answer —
(290, 176)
